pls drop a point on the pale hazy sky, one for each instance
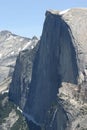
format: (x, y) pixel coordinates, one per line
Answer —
(26, 17)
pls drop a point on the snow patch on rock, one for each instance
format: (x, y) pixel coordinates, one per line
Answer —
(21, 39)
(0, 56)
(63, 12)
(12, 53)
(26, 45)
(9, 38)
(5, 91)
(19, 109)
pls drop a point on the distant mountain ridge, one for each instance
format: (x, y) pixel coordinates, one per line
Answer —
(10, 46)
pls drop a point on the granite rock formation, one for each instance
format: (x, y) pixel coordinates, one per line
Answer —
(10, 46)
(19, 86)
(57, 84)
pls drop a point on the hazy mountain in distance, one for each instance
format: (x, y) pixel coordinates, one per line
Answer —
(10, 46)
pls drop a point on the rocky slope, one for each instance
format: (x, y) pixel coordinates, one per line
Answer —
(10, 46)
(56, 97)
(10, 116)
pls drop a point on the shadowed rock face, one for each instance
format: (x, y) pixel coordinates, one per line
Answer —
(77, 21)
(59, 59)
(19, 86)
(55, 62)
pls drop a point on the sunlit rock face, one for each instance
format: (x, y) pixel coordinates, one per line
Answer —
(10, 46)
(60, 60)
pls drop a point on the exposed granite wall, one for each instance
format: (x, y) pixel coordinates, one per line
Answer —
(58, 59)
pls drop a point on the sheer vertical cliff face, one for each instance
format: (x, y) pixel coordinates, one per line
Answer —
(57, 62)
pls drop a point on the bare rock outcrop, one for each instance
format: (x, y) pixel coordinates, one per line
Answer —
(59, 68)
(19, 87)
(10, 46)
